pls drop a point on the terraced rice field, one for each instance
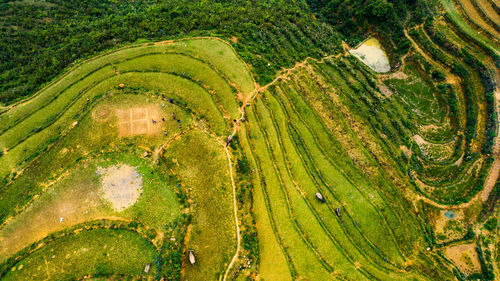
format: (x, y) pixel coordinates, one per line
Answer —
(135, 158)
(120, 120)
(477, 17)
(469, 61)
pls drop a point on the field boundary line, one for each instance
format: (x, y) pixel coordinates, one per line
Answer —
(326, 229)
(74, 67)
(317, 174)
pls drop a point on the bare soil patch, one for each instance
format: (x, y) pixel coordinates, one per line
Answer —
(102, 113)
(451, 227)
(121, 185)
(385, 90)
(465, 257)
(139, 121)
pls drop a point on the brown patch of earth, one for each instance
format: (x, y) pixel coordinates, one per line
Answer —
(121, 185)
(406, 151)
(385, 90)
(452, 228)
(465, 258)
(139, 121)
(101, 113)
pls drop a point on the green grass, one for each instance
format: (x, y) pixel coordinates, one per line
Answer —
(204, 78)
(303, 260)
(190, 67)
(77, 198)
(204, 173)
(100, 252)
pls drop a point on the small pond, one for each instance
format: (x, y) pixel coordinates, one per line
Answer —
(450, 214)
(373, 55)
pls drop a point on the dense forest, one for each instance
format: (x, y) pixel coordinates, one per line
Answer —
(355, 18)
(42, 38)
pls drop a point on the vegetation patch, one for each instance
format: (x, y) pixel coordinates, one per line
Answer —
(94, 253)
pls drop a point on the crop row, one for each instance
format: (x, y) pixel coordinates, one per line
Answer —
(307, 159)
(295, 139)
(462, 28)
(475, 19)
(221, 92)
(486, 12)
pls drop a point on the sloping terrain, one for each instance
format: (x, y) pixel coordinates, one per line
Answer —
(64, 151)
(168, 161)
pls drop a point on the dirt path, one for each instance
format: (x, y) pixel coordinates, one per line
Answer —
(286, 72)
(235, 215)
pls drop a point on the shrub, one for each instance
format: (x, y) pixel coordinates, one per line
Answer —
(242, 167)
(438, 76)
(491, 224)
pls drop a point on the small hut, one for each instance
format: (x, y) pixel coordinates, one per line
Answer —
(320, 197)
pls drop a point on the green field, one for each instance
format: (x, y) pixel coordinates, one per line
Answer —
(81, 254)
(133, 159)
(99, 116)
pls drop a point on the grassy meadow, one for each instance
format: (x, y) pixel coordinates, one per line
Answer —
(140, 106)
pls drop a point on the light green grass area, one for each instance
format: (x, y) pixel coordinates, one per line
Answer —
(78, 197)
(200, 162)
(93, 252)
(274, 264)
(135, 106)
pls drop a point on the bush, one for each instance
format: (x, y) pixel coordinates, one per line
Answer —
(491, 224)
(438, 76)
(242, 167)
